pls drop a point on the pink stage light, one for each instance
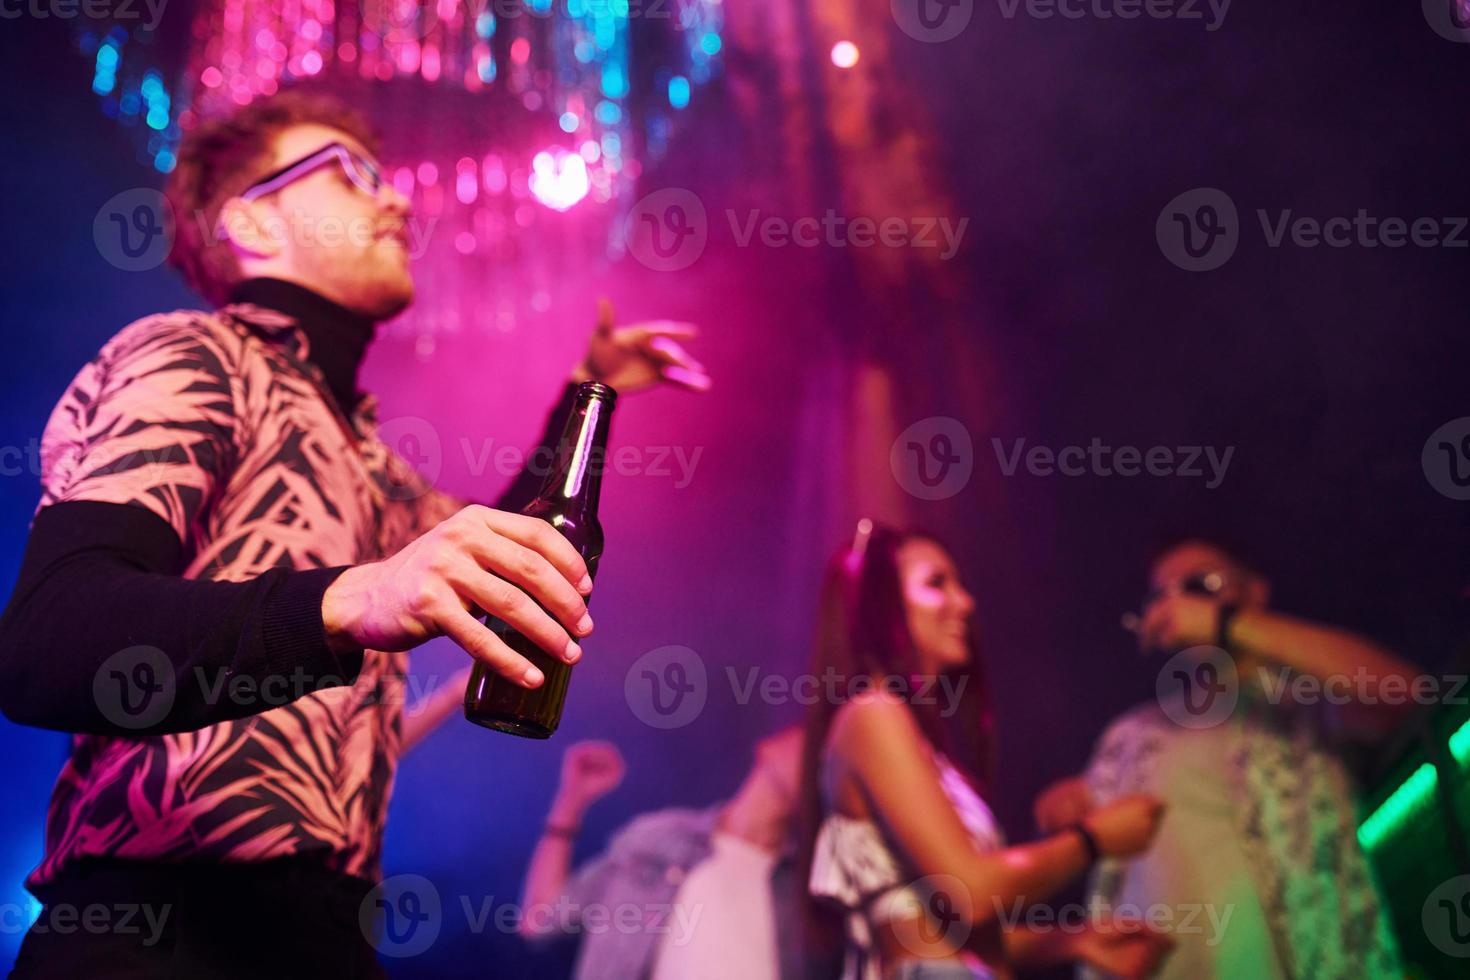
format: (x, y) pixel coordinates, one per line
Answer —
(559, 181)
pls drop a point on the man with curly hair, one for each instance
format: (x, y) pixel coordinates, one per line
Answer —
(227, 567)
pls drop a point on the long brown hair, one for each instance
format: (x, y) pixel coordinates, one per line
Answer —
(862, 637)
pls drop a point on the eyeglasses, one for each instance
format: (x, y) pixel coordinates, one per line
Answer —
(363, 173)
(1205, 584)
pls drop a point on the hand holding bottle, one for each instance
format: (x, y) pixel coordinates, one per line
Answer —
(477, 559)
(567, 508)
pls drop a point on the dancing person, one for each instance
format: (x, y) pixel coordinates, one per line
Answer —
(253, 562)
(716, 888)
(899, 837)
(1259, 852)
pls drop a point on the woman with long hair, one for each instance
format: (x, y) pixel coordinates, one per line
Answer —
(900, 850)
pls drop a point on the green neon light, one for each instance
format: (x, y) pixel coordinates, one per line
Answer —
(1412, 796)
(1403, 804)
(1460, 746)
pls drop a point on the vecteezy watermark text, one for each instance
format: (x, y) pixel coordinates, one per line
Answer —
(1099, 459)
(668, 687)
(120, 10)
(96, 918)
(137, 688)
(1199, 230)
(1210, 12)
(1182, 919)
(403, 915)
(1361, 687)
(667, 230)
(326, 230)
(837, 231)
(675, 462)
(832, 687)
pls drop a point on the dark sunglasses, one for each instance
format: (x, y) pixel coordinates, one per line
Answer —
(1203, 584)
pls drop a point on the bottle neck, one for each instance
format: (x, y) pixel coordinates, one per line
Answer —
(575, 482)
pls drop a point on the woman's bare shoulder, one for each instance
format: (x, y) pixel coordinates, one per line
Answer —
(873, 719)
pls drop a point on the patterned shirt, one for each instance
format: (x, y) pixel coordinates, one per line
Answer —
(1277, 797)
(218, 424)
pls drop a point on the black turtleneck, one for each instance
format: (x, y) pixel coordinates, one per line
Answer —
(97, 578)
(337, 338)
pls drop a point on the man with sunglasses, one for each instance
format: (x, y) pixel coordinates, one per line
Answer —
(1256, 871)
(227, 567)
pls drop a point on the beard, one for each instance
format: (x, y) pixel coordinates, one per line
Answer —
(383, 299)
(371, 283)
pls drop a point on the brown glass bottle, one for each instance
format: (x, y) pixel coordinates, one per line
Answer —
(567, 501)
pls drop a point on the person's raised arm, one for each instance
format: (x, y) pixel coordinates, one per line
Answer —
(631, 359)
(1371, 684)
(589, 771)
(879, 740)
(430, 711)
(1380, 683)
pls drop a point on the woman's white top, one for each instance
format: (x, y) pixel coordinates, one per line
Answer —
(854, 866)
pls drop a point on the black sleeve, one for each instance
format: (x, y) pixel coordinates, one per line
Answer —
(527, 483)
(99, 606)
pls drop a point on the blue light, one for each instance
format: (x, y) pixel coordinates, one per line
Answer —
(104, 78)
(605, 33)
(485, 24)
(130, 104)
(614, 81)
(157, 118)
(608, 113)
(569, 122)
(678, 91)
(710, 43)
(164, 161)
(539, 6)
(611, 145)
(487, 69)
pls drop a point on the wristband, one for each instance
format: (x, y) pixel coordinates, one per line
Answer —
(1088, 841)
(555, 830)
(1224, 619)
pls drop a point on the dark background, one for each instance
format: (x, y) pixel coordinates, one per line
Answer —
(1326, 369)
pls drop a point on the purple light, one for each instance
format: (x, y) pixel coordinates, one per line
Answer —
(559, 181)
